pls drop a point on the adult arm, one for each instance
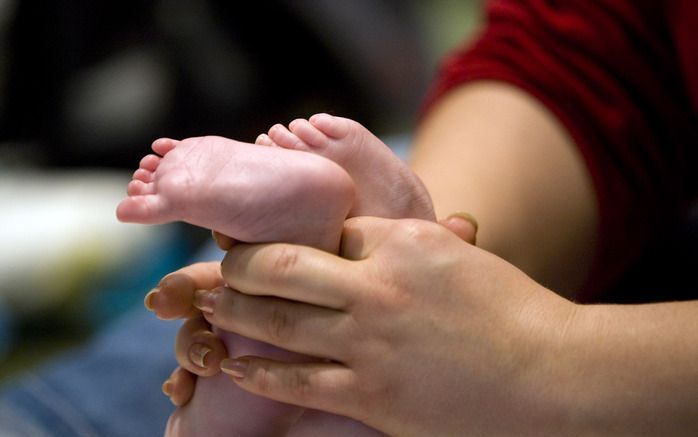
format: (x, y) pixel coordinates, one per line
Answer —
(492, 150)
(451, 340)
(551, 99)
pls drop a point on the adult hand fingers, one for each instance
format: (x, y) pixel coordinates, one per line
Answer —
(290, 325)
(463, 225)
(324, 386)
(223, 242)
(172, 297)
(197, 349)
(288, 271)
(180, 386)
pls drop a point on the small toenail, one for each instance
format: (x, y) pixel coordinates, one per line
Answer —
(148, 300)
(197, 354)
(319, 117)
(205, 300)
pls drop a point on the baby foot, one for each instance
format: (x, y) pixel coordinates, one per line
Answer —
(251, 193)
(385, 185)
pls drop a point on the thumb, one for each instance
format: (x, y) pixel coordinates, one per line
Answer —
(463, 225)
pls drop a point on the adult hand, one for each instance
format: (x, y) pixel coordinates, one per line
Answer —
(199, 351)
(420, 333)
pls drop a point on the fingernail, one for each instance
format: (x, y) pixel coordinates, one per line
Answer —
(205, 300)
(218, 239)
(197, 354)
(467, 217)
(148, 299)
(236, 368)
(223, 241)
(167, 387)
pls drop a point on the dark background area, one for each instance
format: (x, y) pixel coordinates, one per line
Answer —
(93, 83)
(86, 86)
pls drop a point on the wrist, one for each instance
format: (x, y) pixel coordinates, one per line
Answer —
(622, 370)
(545, 398)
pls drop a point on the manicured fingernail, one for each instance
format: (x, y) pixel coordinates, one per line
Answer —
(467, 217)
(148, 300)
(217, 238)
(197, 354)
(236, 368)
(223, 241)
(167, 387)
(205, 300)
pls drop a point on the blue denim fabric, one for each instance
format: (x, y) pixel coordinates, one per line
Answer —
(109, 388)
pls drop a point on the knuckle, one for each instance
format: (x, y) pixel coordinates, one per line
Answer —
(371, 399)
(263, 378)
(417, 231)
(389, 292)
(280, 326)
(271, 380)
(298, 385)
(283, 261)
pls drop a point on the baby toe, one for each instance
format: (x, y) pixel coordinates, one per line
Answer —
(143, 175)
(149, 162)
(163, 145)
(285, 138)
(309, 134)
(334, 127)
(264, 140)
(139, 188)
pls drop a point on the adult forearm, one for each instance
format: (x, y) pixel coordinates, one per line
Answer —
(491, 150)
(629, 370)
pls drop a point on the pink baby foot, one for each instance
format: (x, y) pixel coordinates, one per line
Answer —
(385, 185)
(251, 193)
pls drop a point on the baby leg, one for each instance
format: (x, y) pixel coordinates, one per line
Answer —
(385, 185)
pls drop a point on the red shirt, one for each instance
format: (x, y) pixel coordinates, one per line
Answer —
(622, 76)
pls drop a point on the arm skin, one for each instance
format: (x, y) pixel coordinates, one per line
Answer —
(632, 369)
(492, 150)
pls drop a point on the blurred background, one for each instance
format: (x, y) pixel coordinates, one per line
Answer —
(86, 86)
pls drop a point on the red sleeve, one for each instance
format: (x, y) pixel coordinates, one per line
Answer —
(607, 70)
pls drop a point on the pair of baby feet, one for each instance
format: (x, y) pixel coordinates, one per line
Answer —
(274, 193)
(295, 184)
